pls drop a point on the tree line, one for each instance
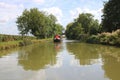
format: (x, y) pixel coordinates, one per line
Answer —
(88, 29)
(38, 23)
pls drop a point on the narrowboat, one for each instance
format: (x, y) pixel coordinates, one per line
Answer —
(57, 38)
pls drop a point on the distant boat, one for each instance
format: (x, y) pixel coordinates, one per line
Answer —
(57, 38)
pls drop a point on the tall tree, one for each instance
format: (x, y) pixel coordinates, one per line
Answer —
(58, 29)
(111, 16)
(84, 24)
(37, 23)
(85, 19)
(22, 22)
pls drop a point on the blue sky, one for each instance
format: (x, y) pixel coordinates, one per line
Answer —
(65, 11)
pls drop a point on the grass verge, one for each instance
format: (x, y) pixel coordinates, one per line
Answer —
(13, 44)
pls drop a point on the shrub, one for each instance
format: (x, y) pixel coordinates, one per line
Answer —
(83, 37)
(93, 39)
(110, 38)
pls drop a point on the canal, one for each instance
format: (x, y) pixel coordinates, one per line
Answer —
(68, 60)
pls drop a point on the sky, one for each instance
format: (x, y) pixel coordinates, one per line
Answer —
(64, 10)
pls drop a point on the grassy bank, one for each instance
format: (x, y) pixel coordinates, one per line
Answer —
(9, 44)
(6, 38)
(25, 42)
(12, 41)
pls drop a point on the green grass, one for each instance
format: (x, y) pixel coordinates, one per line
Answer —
(9, 44)
(13, 44)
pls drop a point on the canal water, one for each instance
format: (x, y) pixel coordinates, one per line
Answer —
(68, 60)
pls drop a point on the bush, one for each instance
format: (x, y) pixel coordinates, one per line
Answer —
(93, 39)
(111, 38)
(106, 38)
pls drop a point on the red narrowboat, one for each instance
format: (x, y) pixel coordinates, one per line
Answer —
(57, 38)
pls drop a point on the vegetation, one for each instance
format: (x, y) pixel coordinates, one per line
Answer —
(82, 27)
(35, 22)
(111, 16)
(86, 28)
(9, 44)
(106, 38)
(38, 23)
(13, 41)
(6, 38)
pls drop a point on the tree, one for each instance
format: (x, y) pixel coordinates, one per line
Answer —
(111, 16)
(37, 23)
(58, 29)
(95, 28)
(68, 31)
(23, 23)
(82, 26)
(85, 19)
(52, 24)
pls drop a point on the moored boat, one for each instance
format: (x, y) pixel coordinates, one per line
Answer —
(57, 38)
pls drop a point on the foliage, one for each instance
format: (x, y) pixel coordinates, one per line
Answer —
(106, 38)
(85, 24)
(38, 23)
(111, 16)
(93, 39)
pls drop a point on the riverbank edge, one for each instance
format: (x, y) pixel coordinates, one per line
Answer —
(105, 38)
(20, 43)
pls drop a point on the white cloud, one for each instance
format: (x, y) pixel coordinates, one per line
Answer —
(3, 20)
(55, 11)
(97, 13)
(9, 6)
(8, 15)
(39, 1)
(9, 11)
(4, 5)
(74, 13)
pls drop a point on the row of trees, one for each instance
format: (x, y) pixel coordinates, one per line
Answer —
(87, 25)
(84, 24)
(38, 23)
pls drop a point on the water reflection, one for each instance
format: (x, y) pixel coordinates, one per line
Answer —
(111, 61)
(38, 56)
(7, 52)
(68, 60)
(111, 67)
(85, 53)
(107, 56)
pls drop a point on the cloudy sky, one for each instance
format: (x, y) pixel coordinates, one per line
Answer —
(64, 10)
